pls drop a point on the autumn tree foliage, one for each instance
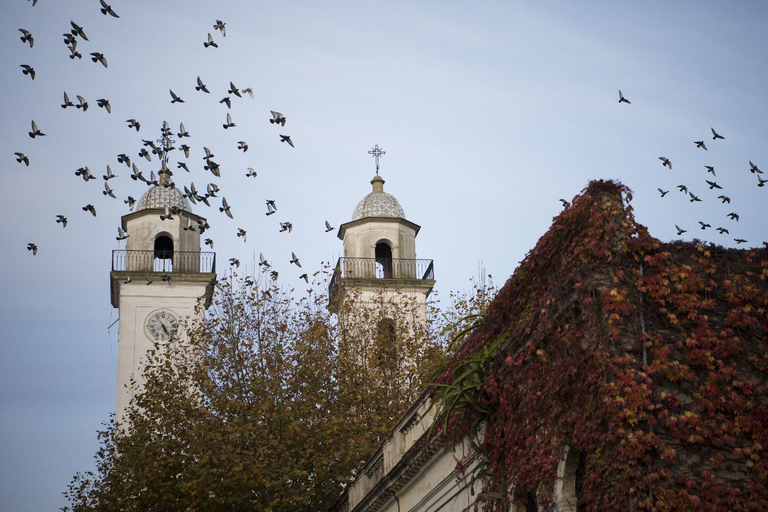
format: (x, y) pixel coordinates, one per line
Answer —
(259, 406)
(642, 362)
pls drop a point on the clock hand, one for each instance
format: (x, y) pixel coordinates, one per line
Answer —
(164, 328)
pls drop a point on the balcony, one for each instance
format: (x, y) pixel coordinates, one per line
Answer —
(385, 269)
(163, 261)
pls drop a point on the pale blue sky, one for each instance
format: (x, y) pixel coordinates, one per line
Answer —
(489, 113)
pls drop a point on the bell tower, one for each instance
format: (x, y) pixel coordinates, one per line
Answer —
(160, 278)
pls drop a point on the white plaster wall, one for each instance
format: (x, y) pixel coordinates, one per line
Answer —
(360, 241)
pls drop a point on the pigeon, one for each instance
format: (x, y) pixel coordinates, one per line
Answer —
(680, 231)
(208, 153)
(28, 70)
(143, 152)
(693, 197)
(132, 123)
(724, 199)
(234, 262)
(227, 101)
(723, 230)
(82, 103)
(122, 158)
(683, 189)
(716, 135)
(137, 175)
(271, 206)
(229, 123)
(713, 184)
(251, 173)
(104, 104)
(622, 99)
(108, 191)
(69, 39)
(273, 274)
(175, 99)
(32, 247)
(328, 227)
(295, 260)
(78, 30)
(665, 161)
(168, 215)
(263, 262)
(210, 42)
(211, 190)
(107, 9)
(90, 208)
(761, 182)
(128, 280)
(241, 233)
(184, 149)
(304, 277)
(277, 118)
(121, 235)
(700, 144)
(739, 240)
(22, 158)
(286, 138)
(704, 226)
(248, 91)
(130, 201)
(60, 219)
(182, 165)
(182, 131)
(286, 226)
(566, 204)
(241, 144)
(734, 216)
(753, 168)
(220, 25)
(149, 281)
(209, 242)
(190, 226)
(99, 57)
(27, 37)
(35, 131)
(710, 169)
(233, 90)
(662, 192)
(73, 53)
(67, 101)
(201, 86)
(166, 278)
(225, 207)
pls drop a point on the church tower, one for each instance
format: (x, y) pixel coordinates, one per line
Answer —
(158, 280)
(379, 279)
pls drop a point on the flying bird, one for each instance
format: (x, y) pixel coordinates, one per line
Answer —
(227, 101)
(209, 242)
(566, 204)
(73, 53)
(60, 219)
(166, 278)
(248, 91)
(234, 262)
(241, 144)
(225, 207)
(28, 70)
(182, 165)
(35, 131)
(108, 191)
(251, 173)
(190, 226)
(32, 247)
(683, 189)
(182, 131)
(220, 25)
(733, 216)
(704, 225)
(263, 262)
(286, 226)
(175, 99)
(723, 230)
(210, 42)
(662, 192)
(99, 57)
(90, 208)
(713, 184)
(168, 215)
(130, 201)
(82, 103)
(241, 233)
(149, 281)
(143, 152)
(233, 90)
(761, 182)
(22, 158)
(716, 135)
(286, 138)
(328, 227)
(724, 199)
(739, 240)
(665, 161)
(277, 118)
(78, 30)
(753, 168)
(622, 99)
(121, 235)
(229, 123)
(107, 9)
(711, 169)
(132, 123)
(693, 197)
(201, 86)
(104, 104)
(680, 231)
(184, 149)
(271, 207)
(27, 37)
(304, 277)
(700, 144)
(295, 259)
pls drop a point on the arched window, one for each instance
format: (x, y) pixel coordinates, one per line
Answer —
(163, 254)
(386, 344)
(383, 260)
(569, 490)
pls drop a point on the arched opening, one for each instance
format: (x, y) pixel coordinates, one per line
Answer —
(386, 344)
(383, 255)
(569, 490)
(163, 254)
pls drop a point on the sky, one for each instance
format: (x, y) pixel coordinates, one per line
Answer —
(489, 113)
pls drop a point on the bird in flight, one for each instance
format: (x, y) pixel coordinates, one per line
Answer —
(662, 192)
(227, 101)
(241, 144)
(209, 242)
(286, 226)
(713, 184)
(107, 9)
(82, 103)
(132, 123)
(234, 90)
(251, 173)
(108, 191)
(32, 247)
(724, 199)
(27, 37)
(700, 144)
(328, 227)
(103, 103)
(201, 86)
(225, 207)
(35, 131)
(304, 277)
(220, 25)
(263, 262)
(210, 42)
(622, 99)
(680, 231)
(694, 197)
(753, 168)
(665, 161)
(683, 189)
(723, 230)
(182, 131)
(229, 123)
(99, 57)
(716, 135)
(704, 225)
(566, 204)
(28, 70)
(734, 216)
(90, 208)
(121, 235)
(234, 262)
(241, 232)
(175, 99)
(67, 101)
(295, 259)
(710, 169)
(277, 118)
(22, 158)
(286, 138)
(739, 240)
(60, 219)
(77, 30)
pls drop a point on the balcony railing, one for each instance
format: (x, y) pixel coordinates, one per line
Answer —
(163, 261)
(380, 268)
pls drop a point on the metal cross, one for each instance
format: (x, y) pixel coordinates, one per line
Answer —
(376, 152)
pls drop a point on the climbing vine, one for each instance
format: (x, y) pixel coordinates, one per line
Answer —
(648, 358)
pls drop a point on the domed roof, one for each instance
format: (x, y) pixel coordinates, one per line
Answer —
(378, 203)
(160, 197)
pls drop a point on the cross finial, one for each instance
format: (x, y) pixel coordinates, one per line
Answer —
(166, 142)
(376, 152)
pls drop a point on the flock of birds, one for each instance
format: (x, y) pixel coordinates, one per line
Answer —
(712, 185)
(164, 148)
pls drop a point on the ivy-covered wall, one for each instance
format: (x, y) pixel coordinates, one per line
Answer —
(648, 359)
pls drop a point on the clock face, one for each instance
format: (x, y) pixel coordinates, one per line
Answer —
(161, 324)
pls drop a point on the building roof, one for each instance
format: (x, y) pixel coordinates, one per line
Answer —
(160, 196)
(378, 203)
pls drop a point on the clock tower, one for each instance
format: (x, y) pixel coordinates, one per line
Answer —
(160, 279)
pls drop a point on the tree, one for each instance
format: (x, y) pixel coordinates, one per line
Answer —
(267, 404)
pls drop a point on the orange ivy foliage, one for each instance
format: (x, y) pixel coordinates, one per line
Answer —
(649, 358)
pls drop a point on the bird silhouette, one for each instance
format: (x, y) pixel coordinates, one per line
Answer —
(182, 131)
(132, 123)
(130, 201)
(78, 31)
(753, 168)
(122, 158)
(733, 216)
(710, 169)
(167, 215)
(713, 184)
(104, 103)
(35, 131)
(107, 9)
(201, 86)
(251, 173)
(263, 262)
(328, 227)
(241, 233)
(82, 104)
(182, 165)
(234, 262)
(221, 26)
(704, 225)
(32, 247)
(566, 204)
(304, 277)
(716, 135)
(277, 118)
(665, 161)
(233, 90)
(28, 70)
(241, 144)
(724, 199)
(722, 230)
(26, 37)
(680, 231)
(622, 99)
(295, 259)
(184, 149)
(740, 240)
(227, 101)
(683, 189)
(121, 235)
(90, 208)
(108, 191)
(694, 198)
(662, 192)
(286, 138)
(60, 219)
(225, 207)
(210, 42)
(229, 123)
(700, 144)
(175, 98)
(99, 57)
(67, 101)
(286, 226)
(209, 242)
(22, 158)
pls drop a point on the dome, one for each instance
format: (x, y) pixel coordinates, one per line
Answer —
(160, 197)
(378, 203)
